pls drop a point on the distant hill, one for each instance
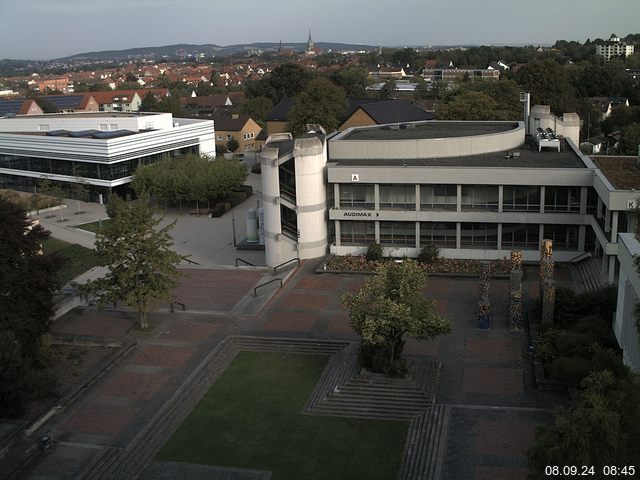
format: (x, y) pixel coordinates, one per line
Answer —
(178, 50)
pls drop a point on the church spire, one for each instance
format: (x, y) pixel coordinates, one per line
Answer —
(310, 43)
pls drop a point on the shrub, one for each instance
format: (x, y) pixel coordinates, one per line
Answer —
(428, 254)
(571, 370)
(374, 253)
(573, 343)
(14, 370)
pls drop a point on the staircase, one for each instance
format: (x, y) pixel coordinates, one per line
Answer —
(587, 275)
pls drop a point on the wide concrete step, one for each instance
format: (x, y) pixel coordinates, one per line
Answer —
(356, 391)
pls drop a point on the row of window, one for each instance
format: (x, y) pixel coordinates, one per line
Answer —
(472, 235)
(474, 197)
(92, 170)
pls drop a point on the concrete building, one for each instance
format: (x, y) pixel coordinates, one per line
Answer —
(624, 325)
(614, 48)
(100, 149)
(474, 189)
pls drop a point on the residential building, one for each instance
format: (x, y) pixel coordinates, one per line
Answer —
(118, 101)
(62, 84)
(279, 116)
(451, 74)
(240, 127)
(614, 48)
(79, 102)
(19, 106)
(364, 112)
(100, 149)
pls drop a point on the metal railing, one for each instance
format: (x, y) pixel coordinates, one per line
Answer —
(255, 289)
(580, 257)
(283, 264)
(238, 259)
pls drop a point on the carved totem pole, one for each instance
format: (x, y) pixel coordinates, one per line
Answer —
(547, 282)
(515, 299)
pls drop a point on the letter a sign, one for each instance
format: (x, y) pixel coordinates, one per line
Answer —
(355, 177)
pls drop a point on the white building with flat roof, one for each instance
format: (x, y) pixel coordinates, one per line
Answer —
(103, 149)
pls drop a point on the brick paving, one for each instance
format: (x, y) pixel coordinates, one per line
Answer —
(99, 419)
(133, 385)
(163, 356)
(485, 378)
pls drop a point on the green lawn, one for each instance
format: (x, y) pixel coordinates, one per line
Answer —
(252, 418)
(77, 259)
(94, 226)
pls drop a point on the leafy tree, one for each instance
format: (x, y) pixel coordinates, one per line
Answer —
(549, 84)
(354, 80)
(257, 108)
(389, 88)
(405, 56)
(232, 145)
(422, 91)
(14, 371)
(471, 105)
(46, 105)
(142, 267)
(27, 279)
(287, 80)
(149, 103)
(389, 306)
(602, 428)
(321, 102)
(630, 142)
(171, 104)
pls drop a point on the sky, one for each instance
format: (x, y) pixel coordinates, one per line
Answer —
(46, 29)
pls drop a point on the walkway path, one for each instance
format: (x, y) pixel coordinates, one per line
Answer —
(487, 406)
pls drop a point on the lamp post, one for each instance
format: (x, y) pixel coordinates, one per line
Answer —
(233, 227)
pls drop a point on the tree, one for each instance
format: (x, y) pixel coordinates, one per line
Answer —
(27, 279)
(389, 306)
(14, 370)
(232, 145)
(601, 429)
(142, 267)
(321, 103)
(630, 142)
(286, 80)
(471, 106)
(257, 108)
(354, 80)
(549, 84)
(149, 103)
(389, 89)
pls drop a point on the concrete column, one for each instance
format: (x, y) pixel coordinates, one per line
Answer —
(417, 234)
(614, 226)
(458, 229)
(459, 201)
(376, 197)
(599, 209)
(542, 195)
(377, 231)
(500, 200)
(274, 253)
(417, 197)
(607, 221)
(337, 232)
(582, 234)
(583, 200)
(500, 228)
(612, 268)
(336, 194)
(310, 158)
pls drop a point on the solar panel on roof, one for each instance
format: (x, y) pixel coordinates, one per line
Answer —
(58, 133)
(65, 101)
(10, 106)
(112, 134)
(83, 133)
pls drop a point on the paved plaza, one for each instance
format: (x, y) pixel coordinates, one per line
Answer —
(492, 407)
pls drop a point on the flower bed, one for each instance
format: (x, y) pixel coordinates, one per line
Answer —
(358, 263)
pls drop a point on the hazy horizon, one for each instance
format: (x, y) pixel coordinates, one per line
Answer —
(43, 30)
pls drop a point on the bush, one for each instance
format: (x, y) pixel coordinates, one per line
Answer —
(571, 370)
(14, 371)
(428, 254)
(573, 343)
(374, 253)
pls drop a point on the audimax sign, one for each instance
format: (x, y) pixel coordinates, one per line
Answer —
(360, 214)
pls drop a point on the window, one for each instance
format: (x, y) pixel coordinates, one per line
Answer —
(564, 237)
(562, 199)
(229, 137)
(398, 197)
(357, 233)
(442, 235)
(521, 199)
(398, 234)
(289, 222)
(438, 197)
(356, 196)
(516, 235)
(103, 126)
(220, 137)
(479, 235)
(480, 197)
(43, 127)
